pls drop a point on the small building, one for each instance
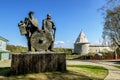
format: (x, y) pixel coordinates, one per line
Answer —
(4, 54)
(82, 46)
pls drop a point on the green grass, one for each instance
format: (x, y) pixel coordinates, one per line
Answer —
(72, 57)
(74, 72)
(92, 71)
(117, 67)
(2, 69)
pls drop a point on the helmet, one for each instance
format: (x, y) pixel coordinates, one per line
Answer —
(48, 16)
(31, 12)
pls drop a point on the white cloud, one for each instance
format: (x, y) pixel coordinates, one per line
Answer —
(63, 44)
(59, 42)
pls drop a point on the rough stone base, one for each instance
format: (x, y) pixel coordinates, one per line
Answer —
(34, 63)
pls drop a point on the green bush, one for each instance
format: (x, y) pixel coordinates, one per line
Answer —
(118, 51)
(16, 49)
(64, 50)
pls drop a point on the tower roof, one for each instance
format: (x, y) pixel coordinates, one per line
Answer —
(81, 38)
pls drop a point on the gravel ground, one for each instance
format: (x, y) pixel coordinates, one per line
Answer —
(5, 63)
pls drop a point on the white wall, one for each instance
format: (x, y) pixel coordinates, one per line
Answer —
(81, 48)
(3, 45)
(95, 49)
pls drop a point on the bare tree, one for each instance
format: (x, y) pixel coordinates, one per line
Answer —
(111, 30)
(109, 5)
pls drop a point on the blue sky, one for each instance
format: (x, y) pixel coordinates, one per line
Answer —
(70, 16)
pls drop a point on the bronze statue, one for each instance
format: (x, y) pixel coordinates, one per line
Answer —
(38, 39)
(47, 26)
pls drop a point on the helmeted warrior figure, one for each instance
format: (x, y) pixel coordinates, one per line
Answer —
(48, 25)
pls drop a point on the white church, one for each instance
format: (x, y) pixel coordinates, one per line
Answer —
(82, 46)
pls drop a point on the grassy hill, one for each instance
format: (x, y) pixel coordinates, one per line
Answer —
(18, 49)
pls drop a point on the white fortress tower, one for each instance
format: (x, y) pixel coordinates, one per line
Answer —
(81, 45)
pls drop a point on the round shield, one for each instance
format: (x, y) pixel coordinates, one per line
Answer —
(41, 40)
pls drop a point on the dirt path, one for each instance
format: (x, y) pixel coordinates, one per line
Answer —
(5, 63)
(114, 73)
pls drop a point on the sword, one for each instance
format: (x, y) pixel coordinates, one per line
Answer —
(54, 33)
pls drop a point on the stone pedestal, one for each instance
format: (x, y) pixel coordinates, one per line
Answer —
(35, 63)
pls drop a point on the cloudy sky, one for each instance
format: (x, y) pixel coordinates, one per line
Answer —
(70, 17)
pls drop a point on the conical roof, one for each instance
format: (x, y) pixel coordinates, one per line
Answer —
(81, 38)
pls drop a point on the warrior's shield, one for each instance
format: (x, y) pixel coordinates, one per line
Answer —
(41, 40)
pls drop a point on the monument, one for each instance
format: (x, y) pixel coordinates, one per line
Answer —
(38, 39)
(42, 40)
